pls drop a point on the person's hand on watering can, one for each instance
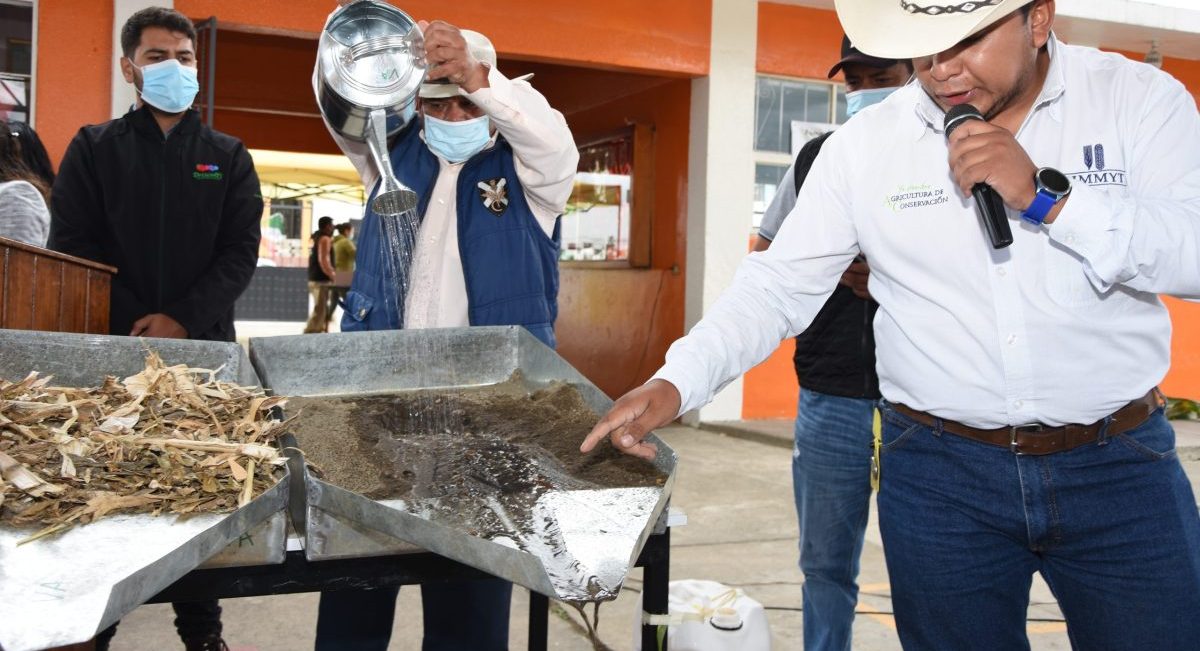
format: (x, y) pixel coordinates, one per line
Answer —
(449, 58)
(634, 416)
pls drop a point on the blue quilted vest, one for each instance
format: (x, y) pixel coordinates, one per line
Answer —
(509, 264)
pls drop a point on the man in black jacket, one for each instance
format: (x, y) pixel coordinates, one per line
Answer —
(174, 205)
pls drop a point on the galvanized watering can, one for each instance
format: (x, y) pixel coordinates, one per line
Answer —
(371, 62)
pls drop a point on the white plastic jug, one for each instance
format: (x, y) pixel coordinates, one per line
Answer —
(710, 616)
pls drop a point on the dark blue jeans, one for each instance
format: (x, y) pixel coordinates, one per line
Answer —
(458, 616)
(1111, 526)
(831, 475)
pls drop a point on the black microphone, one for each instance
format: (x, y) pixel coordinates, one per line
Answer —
(988, 204)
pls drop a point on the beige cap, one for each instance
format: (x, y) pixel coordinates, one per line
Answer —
(480, 47)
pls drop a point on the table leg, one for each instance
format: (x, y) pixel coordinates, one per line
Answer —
(539, 621)
(656, 579)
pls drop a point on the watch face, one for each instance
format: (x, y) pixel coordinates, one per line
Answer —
(1054, 181)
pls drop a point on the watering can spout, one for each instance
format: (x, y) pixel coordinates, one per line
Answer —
(394, 198)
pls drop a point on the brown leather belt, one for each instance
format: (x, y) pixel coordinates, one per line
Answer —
(1037, 439)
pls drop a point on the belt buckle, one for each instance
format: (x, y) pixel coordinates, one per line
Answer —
(1014, 430)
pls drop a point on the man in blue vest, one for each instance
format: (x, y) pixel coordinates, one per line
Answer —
(493, 165)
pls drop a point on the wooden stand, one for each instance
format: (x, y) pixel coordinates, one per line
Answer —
(52, 292)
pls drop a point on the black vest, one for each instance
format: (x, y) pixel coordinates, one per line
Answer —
(315, 272)
(836, 354)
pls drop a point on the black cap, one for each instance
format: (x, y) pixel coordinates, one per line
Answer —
(851, 55)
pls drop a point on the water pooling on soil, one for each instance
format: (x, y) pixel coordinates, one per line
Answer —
(498, 462)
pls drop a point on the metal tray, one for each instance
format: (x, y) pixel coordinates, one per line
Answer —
(598, 534)
(64, 589)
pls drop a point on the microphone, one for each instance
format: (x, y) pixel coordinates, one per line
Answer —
(988, 204)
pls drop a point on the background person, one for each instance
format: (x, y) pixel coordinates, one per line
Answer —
(481, 257)
(24, 216)
(33, 152)
(835, 364)
(174, 206)
(320, 277)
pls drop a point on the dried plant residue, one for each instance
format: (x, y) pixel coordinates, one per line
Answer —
(170, 439)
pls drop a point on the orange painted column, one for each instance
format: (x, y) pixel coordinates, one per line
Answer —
(74, 77)
(1183, 379)
(795, 42)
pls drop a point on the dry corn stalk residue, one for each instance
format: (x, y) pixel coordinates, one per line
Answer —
(170, 439)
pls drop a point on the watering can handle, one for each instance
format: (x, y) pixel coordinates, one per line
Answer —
(390, 43)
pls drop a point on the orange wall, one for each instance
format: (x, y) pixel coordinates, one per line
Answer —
(797, 41)
(1183, 380)
(794, 42)
(73, 69)
(664, 35)
(615, 324)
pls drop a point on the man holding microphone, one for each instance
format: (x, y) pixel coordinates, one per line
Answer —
(1023, 430)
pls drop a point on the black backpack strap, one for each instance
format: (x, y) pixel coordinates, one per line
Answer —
(807, 156)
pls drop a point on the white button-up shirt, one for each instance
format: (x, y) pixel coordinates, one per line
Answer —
(1064, 326)
(545, 159)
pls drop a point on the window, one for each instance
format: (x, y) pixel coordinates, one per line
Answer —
(596, 223)
(16, 59)
(608, 215)
(283, 240)
(779, 103)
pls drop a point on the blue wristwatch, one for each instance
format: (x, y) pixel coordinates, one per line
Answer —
(1052, 186)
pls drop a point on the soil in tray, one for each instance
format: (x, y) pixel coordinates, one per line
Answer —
(499, 440)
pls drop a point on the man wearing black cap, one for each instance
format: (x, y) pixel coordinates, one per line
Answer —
(835, 364)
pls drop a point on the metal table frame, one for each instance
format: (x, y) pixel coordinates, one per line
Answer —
(297, 574)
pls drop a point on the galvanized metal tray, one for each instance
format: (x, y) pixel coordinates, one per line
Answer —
(588, 539)
(64, 589)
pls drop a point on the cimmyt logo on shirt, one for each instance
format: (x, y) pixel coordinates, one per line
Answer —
(207, 172)
(1096, 172)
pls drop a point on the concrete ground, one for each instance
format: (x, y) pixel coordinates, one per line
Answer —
(735, 487)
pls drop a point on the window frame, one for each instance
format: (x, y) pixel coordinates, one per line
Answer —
(31, 78)
(785, 159)
(641, 204)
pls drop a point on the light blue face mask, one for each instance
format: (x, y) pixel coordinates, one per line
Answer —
(457, 141)
(169, 86)
(860, 99)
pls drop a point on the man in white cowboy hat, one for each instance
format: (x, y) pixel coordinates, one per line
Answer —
(1022, 428)
(493, 166)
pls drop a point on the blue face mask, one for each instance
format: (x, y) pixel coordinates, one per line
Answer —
(169, 86)
(457, 141)
(860, 99)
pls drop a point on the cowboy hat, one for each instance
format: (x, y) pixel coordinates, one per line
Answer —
(906, 29)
